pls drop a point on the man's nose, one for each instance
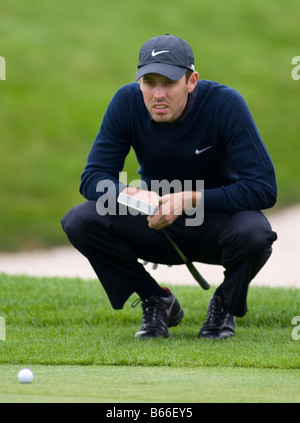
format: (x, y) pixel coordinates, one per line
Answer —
(159, 91)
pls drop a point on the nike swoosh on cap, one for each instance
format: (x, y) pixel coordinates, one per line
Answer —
(155, 53)
(201, 151)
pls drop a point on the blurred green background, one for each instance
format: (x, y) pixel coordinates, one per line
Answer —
(66, 59)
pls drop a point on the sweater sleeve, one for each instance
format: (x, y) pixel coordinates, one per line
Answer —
(107, 155)
(255, 185)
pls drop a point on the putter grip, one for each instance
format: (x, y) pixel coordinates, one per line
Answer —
(204, 284)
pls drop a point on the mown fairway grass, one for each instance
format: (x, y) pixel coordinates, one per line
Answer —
(83, 351)
(66, 59)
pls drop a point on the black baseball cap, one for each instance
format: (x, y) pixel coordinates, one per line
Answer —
(166, 55)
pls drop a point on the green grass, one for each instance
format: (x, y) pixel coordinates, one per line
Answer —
(70, 321)
(65, 60)
(81, 350)
(131, 384)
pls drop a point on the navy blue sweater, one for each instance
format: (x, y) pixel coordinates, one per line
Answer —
(215, 140)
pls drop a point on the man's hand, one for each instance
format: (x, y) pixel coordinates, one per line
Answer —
(171, 206)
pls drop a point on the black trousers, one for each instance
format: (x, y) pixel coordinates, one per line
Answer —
(241, 242)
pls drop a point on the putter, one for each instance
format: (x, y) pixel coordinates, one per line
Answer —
(150, 209)
(192, 269)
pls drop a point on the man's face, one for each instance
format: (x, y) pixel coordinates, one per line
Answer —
(164, 98)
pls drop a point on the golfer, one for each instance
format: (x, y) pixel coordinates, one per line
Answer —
(181, 129)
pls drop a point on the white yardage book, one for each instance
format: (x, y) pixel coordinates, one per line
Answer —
(136, 204)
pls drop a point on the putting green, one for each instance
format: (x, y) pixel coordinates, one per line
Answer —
(126, 384)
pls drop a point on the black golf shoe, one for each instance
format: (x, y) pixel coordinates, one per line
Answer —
(159, 313)
(218, 323)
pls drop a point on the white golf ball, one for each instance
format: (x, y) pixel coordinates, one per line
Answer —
(25, 376)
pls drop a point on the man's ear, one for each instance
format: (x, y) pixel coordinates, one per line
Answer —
(193, 81)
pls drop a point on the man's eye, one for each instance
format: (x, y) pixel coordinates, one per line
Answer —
(150, 83)
(170, 82)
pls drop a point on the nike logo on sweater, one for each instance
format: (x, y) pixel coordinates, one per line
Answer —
(155, 53)
(202, 151)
